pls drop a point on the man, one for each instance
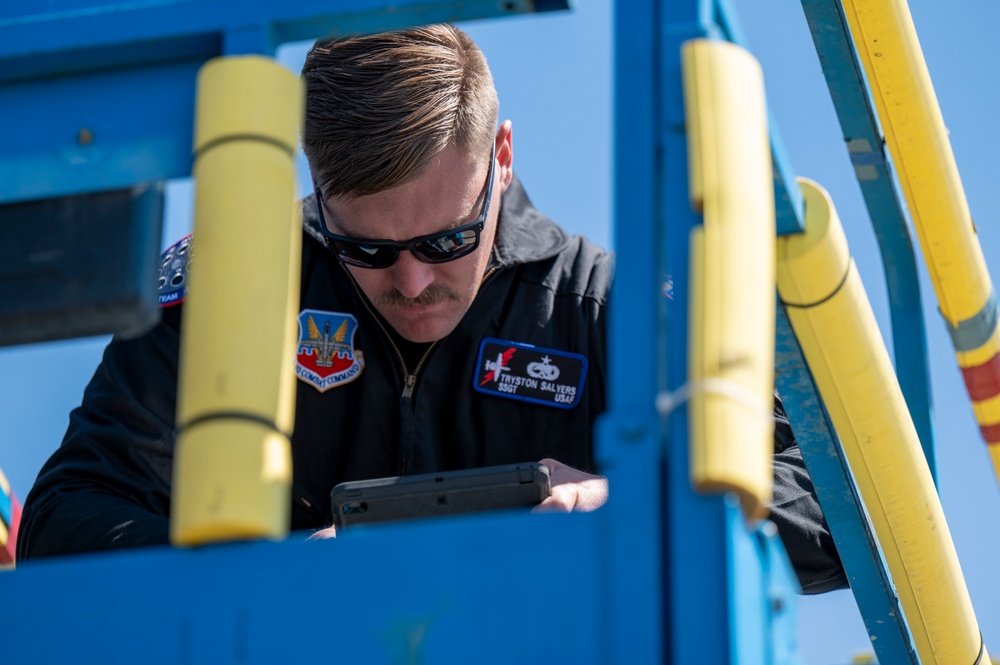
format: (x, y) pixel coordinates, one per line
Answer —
(471, 329)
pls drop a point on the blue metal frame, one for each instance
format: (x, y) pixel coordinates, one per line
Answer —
(590, 584)
(74, 36)
(631, 432)
(140, 124)
(764, 590)
(494, 589)
(866, 570)
(866, 147)
(698, 562)
(659, 574)
(102, 92)
(724, 600)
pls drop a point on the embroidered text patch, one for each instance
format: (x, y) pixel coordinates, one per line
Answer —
(530, 373)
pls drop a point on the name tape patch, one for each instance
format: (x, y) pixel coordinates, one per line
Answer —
(530, 373)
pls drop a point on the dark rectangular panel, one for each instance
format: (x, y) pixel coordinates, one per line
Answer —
(80, 265)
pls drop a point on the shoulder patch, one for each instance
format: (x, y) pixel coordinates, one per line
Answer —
(326, 354)
(530, 373)
(174, 265)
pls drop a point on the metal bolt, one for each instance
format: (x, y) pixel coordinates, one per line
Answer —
(85, 137)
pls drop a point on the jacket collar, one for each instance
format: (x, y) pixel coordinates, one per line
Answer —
(524, 234)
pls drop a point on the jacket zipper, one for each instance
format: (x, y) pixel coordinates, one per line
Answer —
(409, 380)
(408, 425)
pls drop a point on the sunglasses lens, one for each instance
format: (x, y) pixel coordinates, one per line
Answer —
(437, 249)
(364, 256)
(448, 247)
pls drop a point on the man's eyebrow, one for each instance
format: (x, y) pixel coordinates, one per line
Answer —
(477, 208)
(331, 218)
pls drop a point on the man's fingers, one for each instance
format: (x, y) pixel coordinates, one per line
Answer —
(561, 500)
(591, 494)
(573, 489)
(324, 534)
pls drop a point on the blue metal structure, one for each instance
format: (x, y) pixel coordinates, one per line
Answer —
(102, 92)
(866, 570)
(241, 601)
(872, 167)
(671, 576)
(697, 569)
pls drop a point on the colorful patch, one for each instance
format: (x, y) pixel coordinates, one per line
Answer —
(326, 355)
(530, 373)
(174, 265)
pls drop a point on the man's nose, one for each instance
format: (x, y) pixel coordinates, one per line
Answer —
(410, 276)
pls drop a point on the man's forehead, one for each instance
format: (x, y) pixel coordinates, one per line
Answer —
(448, 194)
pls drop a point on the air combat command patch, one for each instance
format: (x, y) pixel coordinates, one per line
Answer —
(326, 354)
(530, 373)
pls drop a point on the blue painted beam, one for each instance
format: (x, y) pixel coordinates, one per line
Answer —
(716, 585)
(699, 584)
(779, 598)
(866, 570)
(101, 131)
(101, 95)
(630, 442)
(764, 588)
(34, 36)
(866, 148)
(698, 563)
(503, 588)
(730, 586)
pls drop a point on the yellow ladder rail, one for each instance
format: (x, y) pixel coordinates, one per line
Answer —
(886, 41)
(834, 323)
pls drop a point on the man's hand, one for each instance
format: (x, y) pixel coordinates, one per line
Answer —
(572, 490)
(324, 534)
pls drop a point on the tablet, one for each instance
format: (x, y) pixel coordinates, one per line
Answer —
(433, 494)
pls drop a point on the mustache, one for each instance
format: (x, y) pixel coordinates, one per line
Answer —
(432, 295)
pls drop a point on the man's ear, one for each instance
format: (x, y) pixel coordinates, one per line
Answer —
(505, 154)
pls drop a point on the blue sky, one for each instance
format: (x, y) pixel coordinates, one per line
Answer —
(554, 76)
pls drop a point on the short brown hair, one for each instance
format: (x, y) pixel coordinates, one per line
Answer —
(379, 107)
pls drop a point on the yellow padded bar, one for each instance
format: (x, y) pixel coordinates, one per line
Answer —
(731, 336)
(887, 44)
(236, 400)
(833, 321)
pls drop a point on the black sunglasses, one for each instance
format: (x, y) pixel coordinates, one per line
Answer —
(434, 248)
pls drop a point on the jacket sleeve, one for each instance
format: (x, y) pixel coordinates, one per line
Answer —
(797, 514)
(108, 484)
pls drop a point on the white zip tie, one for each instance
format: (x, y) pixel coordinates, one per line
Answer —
(668, 401)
